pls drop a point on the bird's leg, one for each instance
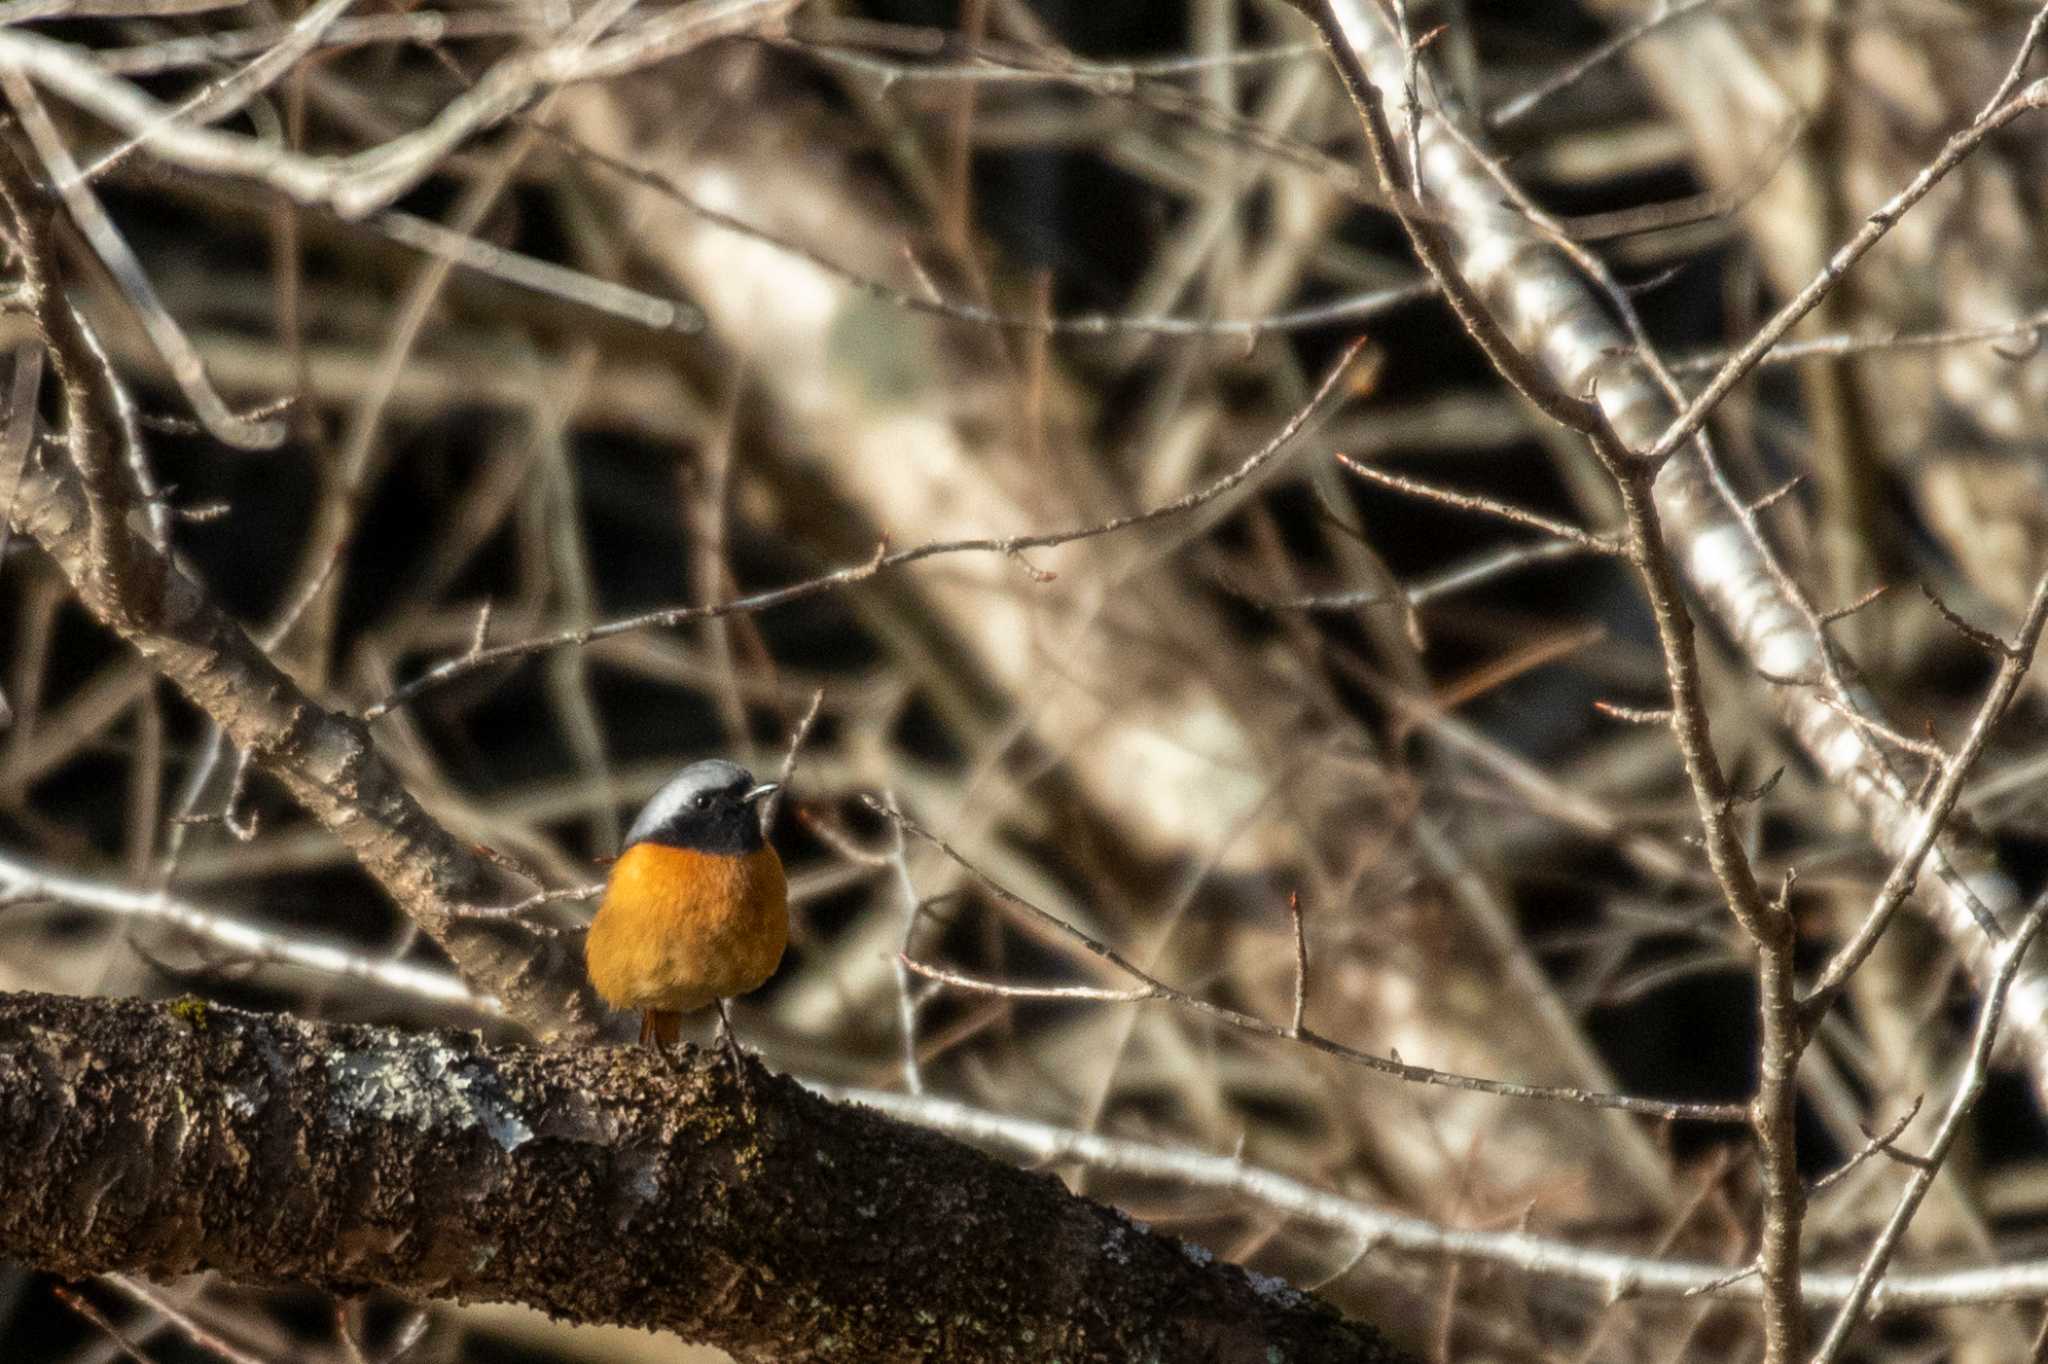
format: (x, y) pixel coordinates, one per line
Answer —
(662, 1030)
(738, 1058)
(731, 1039)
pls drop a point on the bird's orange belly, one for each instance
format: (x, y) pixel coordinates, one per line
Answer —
(679, 928)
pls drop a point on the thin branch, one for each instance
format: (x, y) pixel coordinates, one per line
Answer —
(1635, 715)
(21, 879)
(1485, 506)
(1350, 30)
(1611, 1275)
(1793, 352)
(207, 50)
(1484, 568)
(908, 1003)
(1300, 961)
(326, 760)
(187, 369)
(157, 1301)
(883, 559)
(1969, 1088)
(542, 277)
(362, 183)
(790, 757)
(1882, 1143)
(1349, 308)
(1666, 12)
(1150, 987)
(2001, 109)
(998, 989)
(84, 1307)
(2014, 661)
(1554, 315)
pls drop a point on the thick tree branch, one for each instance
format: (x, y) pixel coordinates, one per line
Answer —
(92, 424)
(324, 758)
(597, 1184)
(133, 584)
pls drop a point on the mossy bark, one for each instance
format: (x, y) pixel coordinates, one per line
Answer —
(598, 1184)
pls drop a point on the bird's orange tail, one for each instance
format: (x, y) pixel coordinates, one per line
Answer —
(663, 1027)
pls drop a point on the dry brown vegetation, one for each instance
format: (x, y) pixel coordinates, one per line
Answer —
(1401, 638)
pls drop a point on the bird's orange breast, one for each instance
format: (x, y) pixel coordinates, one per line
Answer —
(680, 928)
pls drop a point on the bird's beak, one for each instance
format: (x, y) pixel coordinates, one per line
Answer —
(766, 788)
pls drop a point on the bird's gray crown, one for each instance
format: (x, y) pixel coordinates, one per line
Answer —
(672, 804)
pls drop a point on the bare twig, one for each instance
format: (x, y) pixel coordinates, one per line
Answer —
(1349, 31)
(1882, 1143)
(539, 276)
(1665, 12)
(1150, 987)
(1300, 961)
(159, 1302)
(1487, 506)
(790, 757)
(21, 879)
(2014, 661)
(2001, 109)
(325, 759)
(1788, 352)
(1550, 311)
(369, 180)
(83, 1305)
(884, 559)
(1351, 308)
(1969, 1088)
(113, 250)
(1612, 1275)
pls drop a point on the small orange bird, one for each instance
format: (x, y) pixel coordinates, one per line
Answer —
(696, 910)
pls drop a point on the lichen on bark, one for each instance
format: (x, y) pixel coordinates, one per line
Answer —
(598, 1184)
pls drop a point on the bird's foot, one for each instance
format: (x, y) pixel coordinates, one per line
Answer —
(741, 1071)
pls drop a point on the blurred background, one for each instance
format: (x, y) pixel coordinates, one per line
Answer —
(896, 273)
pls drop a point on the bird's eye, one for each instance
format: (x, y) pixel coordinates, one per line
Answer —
(702, 800)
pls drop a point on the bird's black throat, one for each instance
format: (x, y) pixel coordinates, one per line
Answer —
(729, 830)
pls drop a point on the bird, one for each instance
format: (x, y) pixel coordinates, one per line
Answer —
(695, 909)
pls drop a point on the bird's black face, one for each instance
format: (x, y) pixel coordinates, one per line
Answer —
(708, 807)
